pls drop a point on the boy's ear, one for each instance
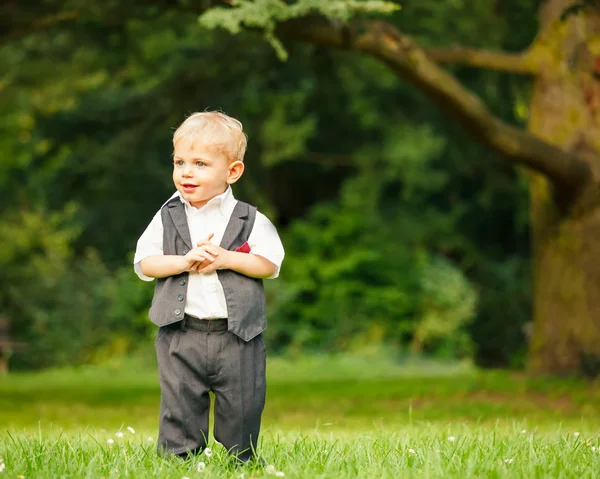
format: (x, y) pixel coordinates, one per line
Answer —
(236, 169)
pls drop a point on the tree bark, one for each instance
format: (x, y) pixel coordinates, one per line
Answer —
(565, 111)
(517, 63)
(3, 364)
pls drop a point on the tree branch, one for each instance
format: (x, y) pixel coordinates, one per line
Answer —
(398, 51)
(517, 63)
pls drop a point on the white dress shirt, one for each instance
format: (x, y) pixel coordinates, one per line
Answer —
(205, 298)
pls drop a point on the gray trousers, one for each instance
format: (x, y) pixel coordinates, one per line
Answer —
(198, 356)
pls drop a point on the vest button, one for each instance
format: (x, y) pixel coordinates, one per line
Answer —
(178, 312)
(180, 297)
(185, 251)
(182, 281)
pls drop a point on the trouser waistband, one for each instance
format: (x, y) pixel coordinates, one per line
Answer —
(190, 322)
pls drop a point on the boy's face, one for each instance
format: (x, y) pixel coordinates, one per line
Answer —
(201, 172)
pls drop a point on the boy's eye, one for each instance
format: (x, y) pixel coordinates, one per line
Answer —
(199, 163)
(179, 162)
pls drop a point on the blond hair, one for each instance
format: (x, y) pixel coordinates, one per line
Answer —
(214, 128)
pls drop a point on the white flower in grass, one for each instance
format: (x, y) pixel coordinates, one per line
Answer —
(523, 431)
(149, 439)
(185, 477)
(208, 452)
(576, 434)
(593, 448)
(2, 466)
(270, 469)
(110, 441)
(200, 467)
(451, 438)
(279, 474)
(131, 430)
(412, 451)
(119, 434)
(508, 461)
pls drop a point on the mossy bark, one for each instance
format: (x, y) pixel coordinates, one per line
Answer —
(565, 111)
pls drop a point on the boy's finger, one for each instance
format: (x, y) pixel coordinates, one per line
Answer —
(197, 258)
(191, 267)
(208, 256)
(206, 244)
(204, 264)
(204, 253)
(209, 269)
(208, 249)
(207, 240)
(211, 250)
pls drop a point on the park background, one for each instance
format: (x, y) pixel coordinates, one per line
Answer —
(432, 171)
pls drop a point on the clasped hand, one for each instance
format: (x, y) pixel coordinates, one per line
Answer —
(206, 257)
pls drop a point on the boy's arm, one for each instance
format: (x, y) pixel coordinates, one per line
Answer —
(265, 245)
(247, 264)
(251, 265)
(161, 266)
(149, 244)
(150, 262)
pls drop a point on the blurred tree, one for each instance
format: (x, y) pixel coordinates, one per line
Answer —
(93, 85)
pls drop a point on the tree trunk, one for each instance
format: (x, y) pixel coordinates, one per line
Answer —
(566, 229)
(3, 364)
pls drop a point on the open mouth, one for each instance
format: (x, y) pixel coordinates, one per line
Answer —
(188, 187)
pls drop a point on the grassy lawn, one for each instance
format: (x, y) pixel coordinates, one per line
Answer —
(325, 418)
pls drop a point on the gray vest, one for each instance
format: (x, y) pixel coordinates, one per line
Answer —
(245, 296)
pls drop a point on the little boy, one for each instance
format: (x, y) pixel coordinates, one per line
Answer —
(209, 254)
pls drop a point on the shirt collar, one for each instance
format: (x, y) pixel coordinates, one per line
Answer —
(225, 201)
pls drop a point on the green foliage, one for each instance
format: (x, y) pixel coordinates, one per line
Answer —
(448, 304)
(383, 203)
(358, 271)
(266, 14)
(285, 135)
(63, 307)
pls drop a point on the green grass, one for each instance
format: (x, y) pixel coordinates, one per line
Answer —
(325, 418)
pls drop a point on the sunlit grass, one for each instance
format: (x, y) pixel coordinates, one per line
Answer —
(425, 450)
(325, 417)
